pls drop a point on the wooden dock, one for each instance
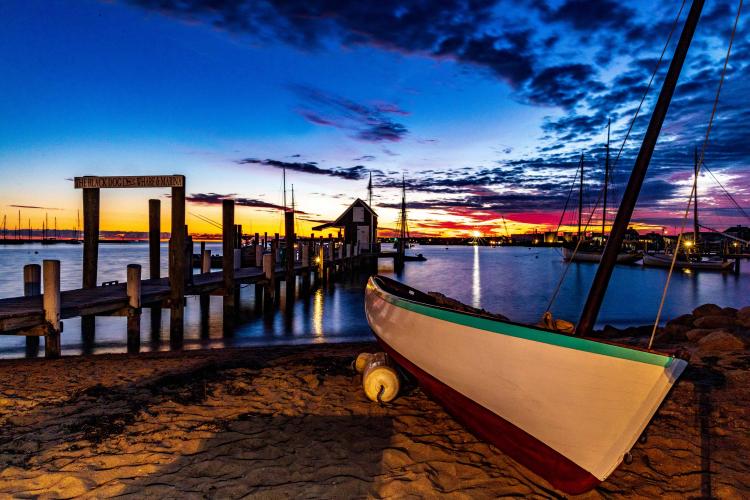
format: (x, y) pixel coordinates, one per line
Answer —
(25, 315)
(265, 263)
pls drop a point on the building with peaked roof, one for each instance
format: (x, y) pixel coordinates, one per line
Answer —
(360, 226)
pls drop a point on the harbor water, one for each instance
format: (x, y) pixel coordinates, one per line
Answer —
(515, 281)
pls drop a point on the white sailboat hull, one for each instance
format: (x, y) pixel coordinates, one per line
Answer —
(567, 408)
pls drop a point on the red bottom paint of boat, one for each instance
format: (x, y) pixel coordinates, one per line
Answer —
(524, 448)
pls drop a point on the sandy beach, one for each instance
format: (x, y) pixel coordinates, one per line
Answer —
(294, 422)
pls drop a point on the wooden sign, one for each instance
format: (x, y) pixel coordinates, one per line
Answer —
(130, 181)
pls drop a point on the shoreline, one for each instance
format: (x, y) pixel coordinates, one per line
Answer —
(293, 421)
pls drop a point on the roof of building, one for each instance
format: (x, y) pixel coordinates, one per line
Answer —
(339, 222)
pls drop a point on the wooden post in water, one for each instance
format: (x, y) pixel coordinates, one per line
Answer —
(331, 268)
(228, 241)
(258, 255)
(205, 260)
(189, 248)
(289, 236)
(51, 303)
(177, 267)
(154, 253)
(32, 286)
(205, 299)
(154, 238)
(269, 287)
(134, 308)
(237, 259)
(276, 250)
(320, 275)
(90, 253)
(306, 247)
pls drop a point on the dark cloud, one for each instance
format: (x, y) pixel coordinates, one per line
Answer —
(34, 207)
(368, 122)
(356, 172)
(585, 15)
(217, 199)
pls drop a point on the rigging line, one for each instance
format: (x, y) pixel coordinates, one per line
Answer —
(731, 198)
(697, 172)
(622, 146)
(206, 219)
(725, 235)
(575, 251)
(650, 82)
(567, 201)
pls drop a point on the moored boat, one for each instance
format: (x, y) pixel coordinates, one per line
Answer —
(596, 256)
(698, 264)
(568, 408)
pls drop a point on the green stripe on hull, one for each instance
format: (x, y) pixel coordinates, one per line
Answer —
(520, 331)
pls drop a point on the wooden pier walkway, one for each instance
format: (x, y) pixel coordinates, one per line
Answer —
(265, 263)
(20, 315)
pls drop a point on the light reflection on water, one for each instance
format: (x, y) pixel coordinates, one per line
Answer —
(476, 283)
(515, 281)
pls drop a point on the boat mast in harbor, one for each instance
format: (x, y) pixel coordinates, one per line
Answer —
(696, 226)
(580, 200)
(606, 185)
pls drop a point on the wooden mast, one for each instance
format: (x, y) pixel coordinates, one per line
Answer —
(696, 227)
(630, 196)
(580, 200)
(283, 177)
(606, 184)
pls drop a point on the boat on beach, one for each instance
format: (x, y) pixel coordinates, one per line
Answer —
(567, 408)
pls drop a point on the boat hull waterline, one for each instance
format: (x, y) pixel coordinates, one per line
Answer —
(567, 408)
(657, 260)
(587, 256)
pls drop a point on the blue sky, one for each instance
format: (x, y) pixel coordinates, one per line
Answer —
(484, 106)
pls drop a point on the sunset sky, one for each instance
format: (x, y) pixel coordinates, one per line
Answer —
(483, 106)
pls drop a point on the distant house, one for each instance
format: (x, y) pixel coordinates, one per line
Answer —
(360, 226)
(550, 237)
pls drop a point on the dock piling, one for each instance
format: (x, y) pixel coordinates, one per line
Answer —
(205, 260)
(289, 236)
(154, 238)
(269, 287)
(177, 267)
(306, 247)
(51, 304)
(91, 200)
(134, 308)
(228, 242)
(258, 255)
(32, 286)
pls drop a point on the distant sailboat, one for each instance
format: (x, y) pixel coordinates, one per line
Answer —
(589, 251)
(695, 261)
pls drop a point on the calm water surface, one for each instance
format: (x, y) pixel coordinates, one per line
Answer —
(515, 281)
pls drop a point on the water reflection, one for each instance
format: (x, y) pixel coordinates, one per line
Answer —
(336, 313)
(476, 283)
(317, 315)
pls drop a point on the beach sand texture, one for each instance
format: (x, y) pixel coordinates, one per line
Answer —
(294, 422)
